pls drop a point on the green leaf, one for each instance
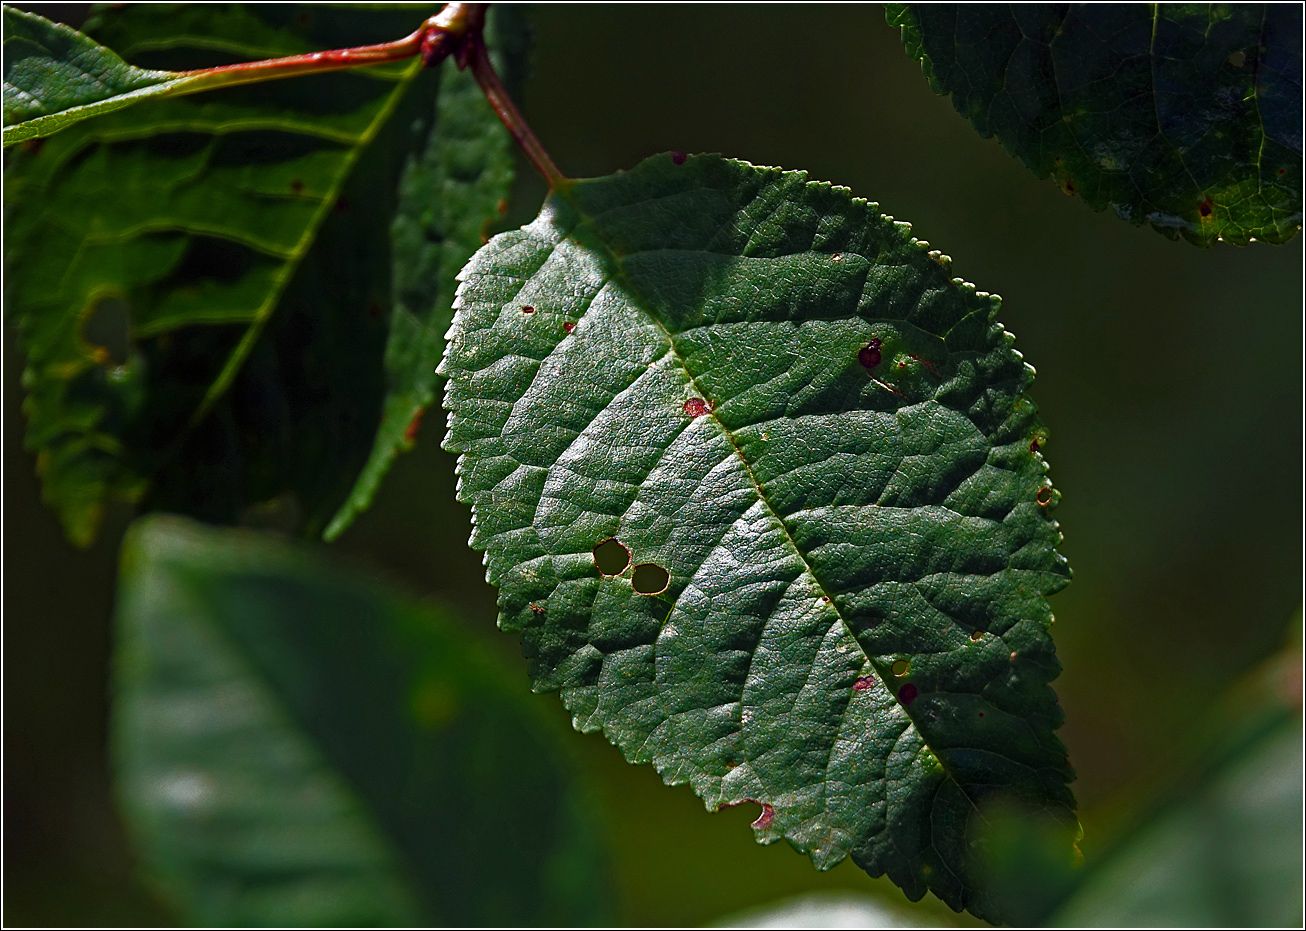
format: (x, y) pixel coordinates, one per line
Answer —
(853, 541)
(55, 76)
(296, 747)
(1187, 117)
(246, 237)
(1223, 848)
(446, 200)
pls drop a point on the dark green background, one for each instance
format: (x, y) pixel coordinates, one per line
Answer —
(1170, 378)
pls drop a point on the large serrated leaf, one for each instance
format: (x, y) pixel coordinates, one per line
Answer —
(814, 451)
(297, 747)
(247, 232)
(1184, 116)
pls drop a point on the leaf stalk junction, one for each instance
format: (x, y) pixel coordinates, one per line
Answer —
(457, 32)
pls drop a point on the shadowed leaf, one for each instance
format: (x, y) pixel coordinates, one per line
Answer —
(1187, 117)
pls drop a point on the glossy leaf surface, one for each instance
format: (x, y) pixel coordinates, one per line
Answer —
(1187, 117)
(245, 239)
(295, 746)
(56, 76)
(768, 391)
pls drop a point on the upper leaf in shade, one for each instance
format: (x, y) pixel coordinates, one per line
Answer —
(1184, 116)
(55, 76)
(447, 198)
(761, 488)
(298, 747)
(243, 239)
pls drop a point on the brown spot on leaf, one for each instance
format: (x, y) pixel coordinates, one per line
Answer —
(1205, 207)
(410, 431)
(537, 610)
(765, 818)
(296, 187)
(528, 309)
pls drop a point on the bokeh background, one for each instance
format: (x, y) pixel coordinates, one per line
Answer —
(1170, 378)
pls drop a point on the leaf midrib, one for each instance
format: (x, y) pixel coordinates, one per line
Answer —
(303, 246)
(883, 674)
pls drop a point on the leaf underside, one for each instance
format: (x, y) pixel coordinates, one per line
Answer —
(245, 235)
(1187, 117)
(296, 747)
(446, 200)
(56, 76)
(855, 545)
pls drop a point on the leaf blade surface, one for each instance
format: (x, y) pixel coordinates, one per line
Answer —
(56, 76)
(297, 746)
(678, 357)
(1184, 117)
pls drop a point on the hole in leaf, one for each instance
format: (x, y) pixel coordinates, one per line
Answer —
(976, 636)
(528, 309)
(1044, 496)
(900, 667)
(611, 557)
(650, 579)
(108, 327)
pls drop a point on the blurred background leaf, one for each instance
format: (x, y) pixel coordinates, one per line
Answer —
(1223, 846)
(1185, 117)
(1171, 392)
(296, 746)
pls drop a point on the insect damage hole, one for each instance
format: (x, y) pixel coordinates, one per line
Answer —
(611, 557)
(650, 579)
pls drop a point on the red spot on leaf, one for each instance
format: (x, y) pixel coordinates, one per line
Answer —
(528, 309)
(907, 694)
(697, 407)
(869, 356)
(765, 818)
(536, 609)
(863, 683)
(410, 432)
(1205, 207)
(1283, 171)
(1033, 445)
(568, 327)
(678, 158)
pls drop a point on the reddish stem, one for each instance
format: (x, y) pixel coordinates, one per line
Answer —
(498, 97)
